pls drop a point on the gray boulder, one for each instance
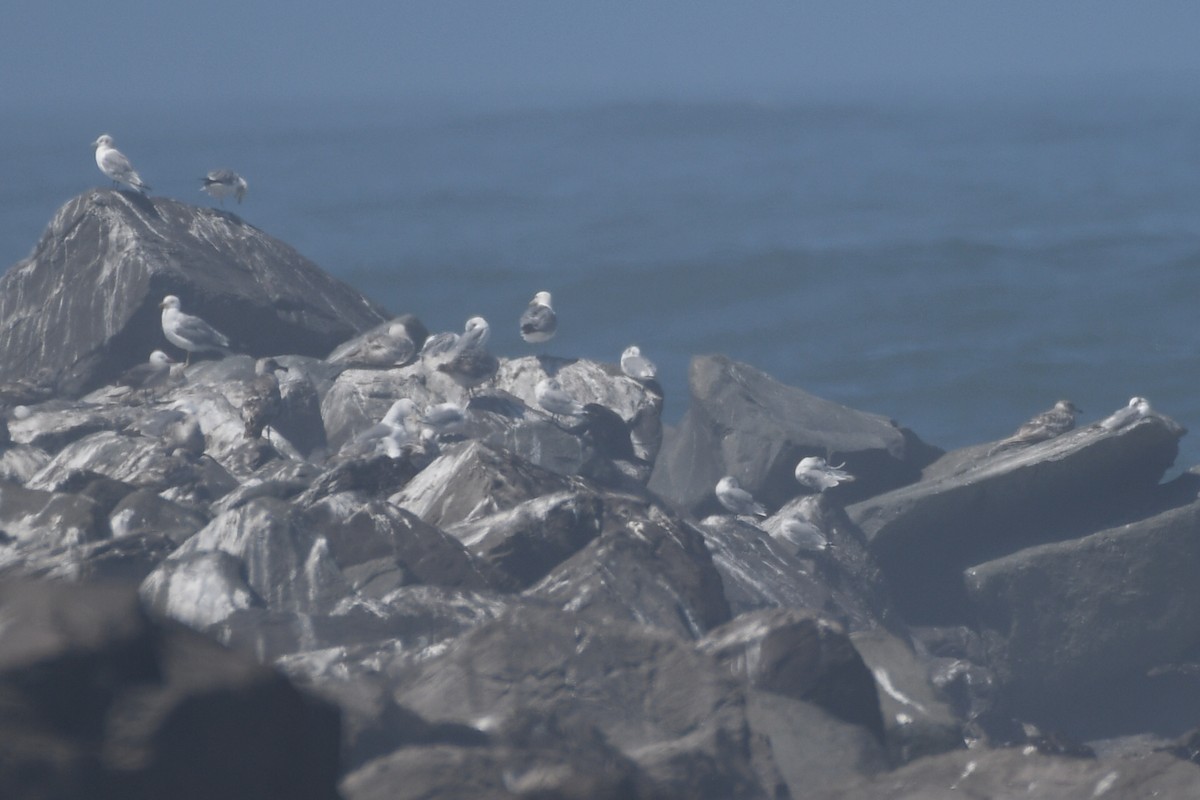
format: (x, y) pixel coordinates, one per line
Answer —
(1064, 619)
(982, 507)
(93, 283)
(742, 422)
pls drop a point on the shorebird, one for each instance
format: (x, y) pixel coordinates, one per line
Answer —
(113, 163)
(539, 322)
(737, 500)
(189, 332)
(815, 473)
(1042, 427)
(220, 183)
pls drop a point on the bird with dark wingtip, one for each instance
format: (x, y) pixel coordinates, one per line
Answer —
(539, 322)
(113, 163)
(1042, 427)
(220, 183)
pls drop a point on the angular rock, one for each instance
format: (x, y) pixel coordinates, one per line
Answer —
(45, 520)
(925, 535)
(93, 284)
(101, 703)
(1066, 618)
(742, 422)
(199, 589)
(647, 566)
(19, 463)
(146, 512)
(528, 541)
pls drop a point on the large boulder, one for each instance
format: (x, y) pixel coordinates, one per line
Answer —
(980, 506)
(742, 422)
(84, 305)
(1068, 618)
(102, 703)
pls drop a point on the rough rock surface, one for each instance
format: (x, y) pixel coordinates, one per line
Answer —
(744, 423)
(84, 305)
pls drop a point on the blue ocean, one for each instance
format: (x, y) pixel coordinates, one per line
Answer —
(954, 262)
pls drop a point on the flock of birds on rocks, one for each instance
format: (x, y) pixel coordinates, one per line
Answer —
(465, 359)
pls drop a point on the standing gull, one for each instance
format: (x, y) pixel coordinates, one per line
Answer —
(1042, 427)
(737, 500)
(188, 332)
(637, 366)
(220, 183)
(113, 163)
(469, 363)
(539, 321)
(815, 473)
(263, 402)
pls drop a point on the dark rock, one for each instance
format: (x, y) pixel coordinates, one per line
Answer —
(1069, 617)
(926, 534)
(653, 695)
(35, 519)
(528, 541)
(93, 284)
(127, 560)
(647, 566)
(19, 463)
(742, 422)
(917, 722)
(799, 655)
(372, 475)
(1018, 773)
(100, 703)
(144, 512)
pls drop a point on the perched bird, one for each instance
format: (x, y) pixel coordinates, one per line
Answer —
(469, 363)
(263, 402)
(396, 430)
(384, 347)
(803, 534)
(149, 374)
(815, 473)
(445, 419)
(539, 322)
(737, 500)
(440, 348)
(220, 183)
(552, 397)
(1137, 408)
(188, 332)
(113, 163)
(1042, 427)
(637, 366)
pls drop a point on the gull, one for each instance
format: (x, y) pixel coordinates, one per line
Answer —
(1137, 408)
(469, 364)
(188, 332)
(383, 347)
(815, 473)
(1042, 427)
(803, 534)
(637, 366)
(388, 436)
(113, 163)
(263, 402)
(220, 183)
(440, 348)
(737, 500)
(149, 373)
(445, 419)
(539, 322)
(552, 397)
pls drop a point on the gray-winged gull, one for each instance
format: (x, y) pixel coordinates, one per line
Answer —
(113, 163)
(469, 363)
(220, 183)
(539, 322)
(737, 500)
(188, 332)
(815, 473)
(388, 345)
(1137, 408)
(551, 396)
(637, 366)
(150, 373)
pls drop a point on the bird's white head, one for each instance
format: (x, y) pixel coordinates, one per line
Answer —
(402, 408)
(727, 483)
(477, 329)
(104, 141)
(542, 299)
(633, 351)
(160, 359)
(170, 301)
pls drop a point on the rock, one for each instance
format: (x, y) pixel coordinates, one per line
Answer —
(144, 512)
(1022, 773)
(653, 695)
(19, 463)
(93, 284)
(529, 540)
(1069, 617)
(743, 423)
(925, 535)
(646, 566)
(102, 703)
(33, 519)
(917, 722)
(199, 589)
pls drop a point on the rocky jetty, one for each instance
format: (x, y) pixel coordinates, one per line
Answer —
(404, 589)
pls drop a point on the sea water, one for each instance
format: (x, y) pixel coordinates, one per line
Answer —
(956, 263)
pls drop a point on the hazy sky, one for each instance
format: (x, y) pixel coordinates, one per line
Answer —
(59, 53)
